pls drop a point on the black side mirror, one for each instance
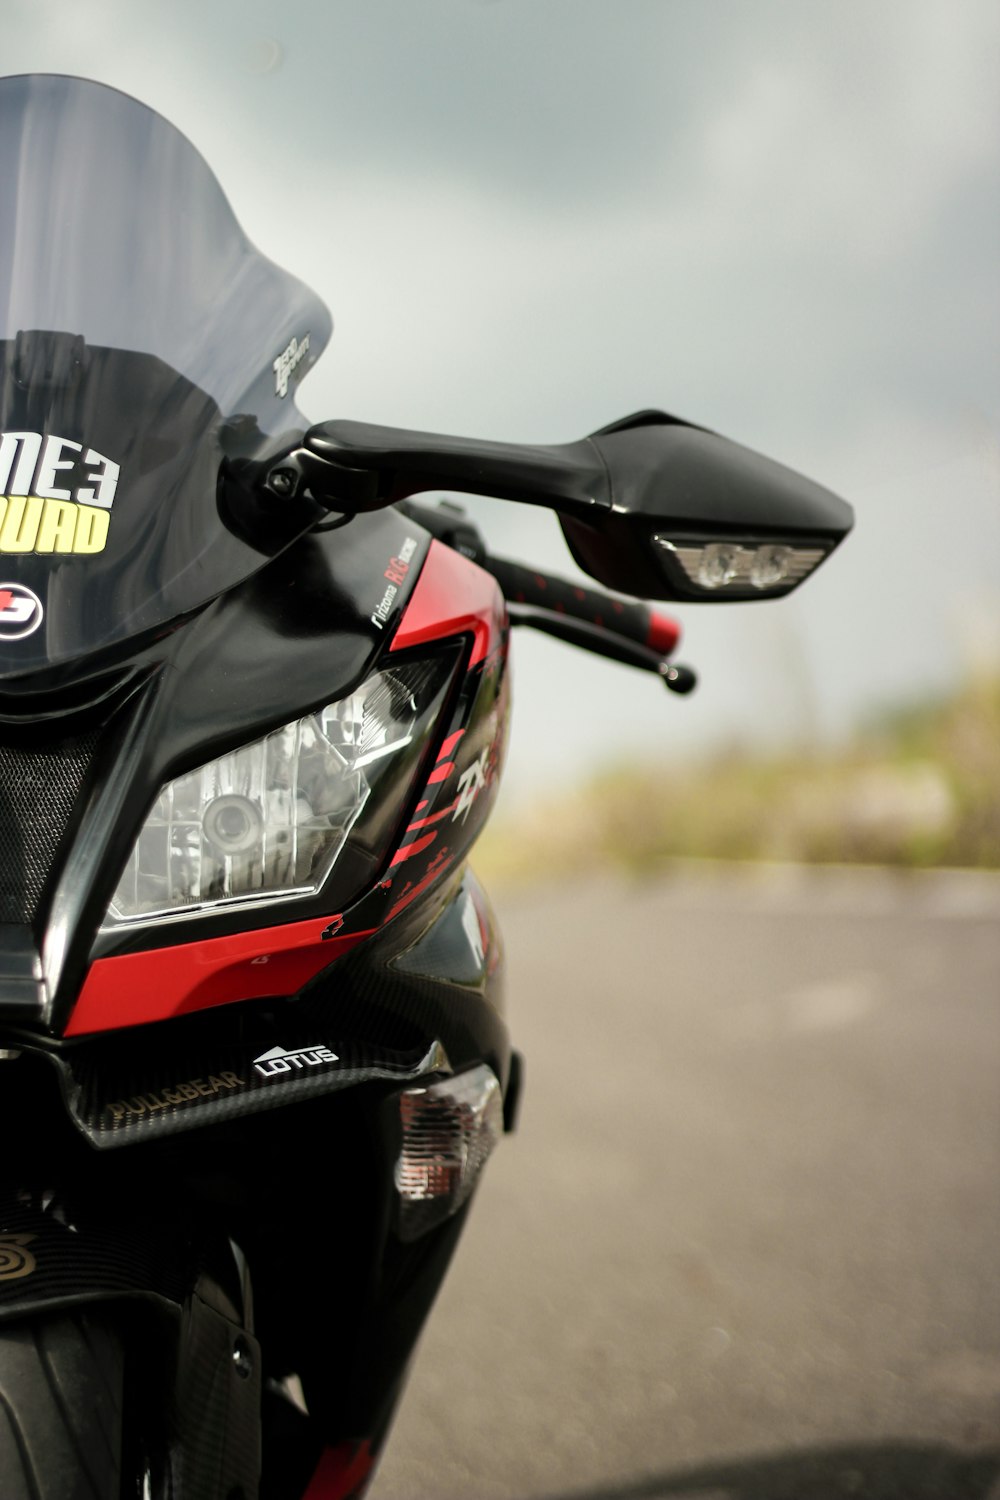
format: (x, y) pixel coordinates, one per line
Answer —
(695, 516)
(649, 506)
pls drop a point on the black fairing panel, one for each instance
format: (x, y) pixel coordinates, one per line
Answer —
(294, 636)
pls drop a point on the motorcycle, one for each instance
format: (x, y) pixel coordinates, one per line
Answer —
(253, 705)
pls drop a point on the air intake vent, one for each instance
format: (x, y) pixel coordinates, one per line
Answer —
(38, 792)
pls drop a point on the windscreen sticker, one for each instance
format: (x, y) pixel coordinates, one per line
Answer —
(20, 611)
(286, 364)
(55, 495)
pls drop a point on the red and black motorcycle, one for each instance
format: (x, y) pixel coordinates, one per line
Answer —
(253, 702)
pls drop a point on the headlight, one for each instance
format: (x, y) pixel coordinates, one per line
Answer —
(271, 818)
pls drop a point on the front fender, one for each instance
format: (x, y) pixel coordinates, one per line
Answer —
(57, 1253)
(191, 1389)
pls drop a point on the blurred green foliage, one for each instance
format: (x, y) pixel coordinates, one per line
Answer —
(918, 788)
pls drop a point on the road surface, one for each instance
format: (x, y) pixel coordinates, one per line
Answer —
(745, 1244)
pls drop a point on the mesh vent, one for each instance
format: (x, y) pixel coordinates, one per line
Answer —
(38, 792)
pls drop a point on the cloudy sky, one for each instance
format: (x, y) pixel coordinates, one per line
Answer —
(778, 218)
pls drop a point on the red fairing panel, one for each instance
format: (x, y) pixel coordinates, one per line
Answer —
(453, 596)
(134, 988)
(343, 1473)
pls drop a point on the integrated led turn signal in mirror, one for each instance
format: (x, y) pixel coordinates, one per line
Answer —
(740, 569)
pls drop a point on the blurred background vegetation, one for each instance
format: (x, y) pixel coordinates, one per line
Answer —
(918, 788)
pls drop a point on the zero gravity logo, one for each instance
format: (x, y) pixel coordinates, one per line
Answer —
(55, 495)
(286, 364)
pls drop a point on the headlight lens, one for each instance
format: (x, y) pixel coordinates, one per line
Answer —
(271, 818)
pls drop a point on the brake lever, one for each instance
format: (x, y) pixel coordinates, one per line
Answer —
(603, 643)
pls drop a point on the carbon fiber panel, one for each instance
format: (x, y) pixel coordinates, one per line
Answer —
(117, 1099)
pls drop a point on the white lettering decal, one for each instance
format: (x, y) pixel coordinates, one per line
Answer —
(51, 461)
(383, 609)
(286, 363)
(470, 784)
(107, 482)
(277, 1060)
(26, 445)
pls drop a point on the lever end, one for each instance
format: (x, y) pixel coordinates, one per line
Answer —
(678, 679)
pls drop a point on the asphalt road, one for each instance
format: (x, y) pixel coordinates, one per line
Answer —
(746, 1242)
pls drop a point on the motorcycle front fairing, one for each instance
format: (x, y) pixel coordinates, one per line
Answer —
(151, 621)
(147, 350)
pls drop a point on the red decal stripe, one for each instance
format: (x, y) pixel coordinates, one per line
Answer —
(450, 744)
(418, 844)
(134, 988)
(434, 817)
(453, 596)
(410, 893)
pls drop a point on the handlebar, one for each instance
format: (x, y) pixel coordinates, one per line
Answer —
(629, 619)
(623, 630)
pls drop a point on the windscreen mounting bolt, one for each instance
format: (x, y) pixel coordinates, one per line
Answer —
(242, 1358)
(282, 481)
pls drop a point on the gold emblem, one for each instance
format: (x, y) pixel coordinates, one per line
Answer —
(15, 1258)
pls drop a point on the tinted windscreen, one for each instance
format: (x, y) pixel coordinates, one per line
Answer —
(139, 330)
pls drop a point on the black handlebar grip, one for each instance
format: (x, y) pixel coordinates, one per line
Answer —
(627, 618)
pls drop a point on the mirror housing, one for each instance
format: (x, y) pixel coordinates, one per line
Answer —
(697, 517)
(650, 506)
